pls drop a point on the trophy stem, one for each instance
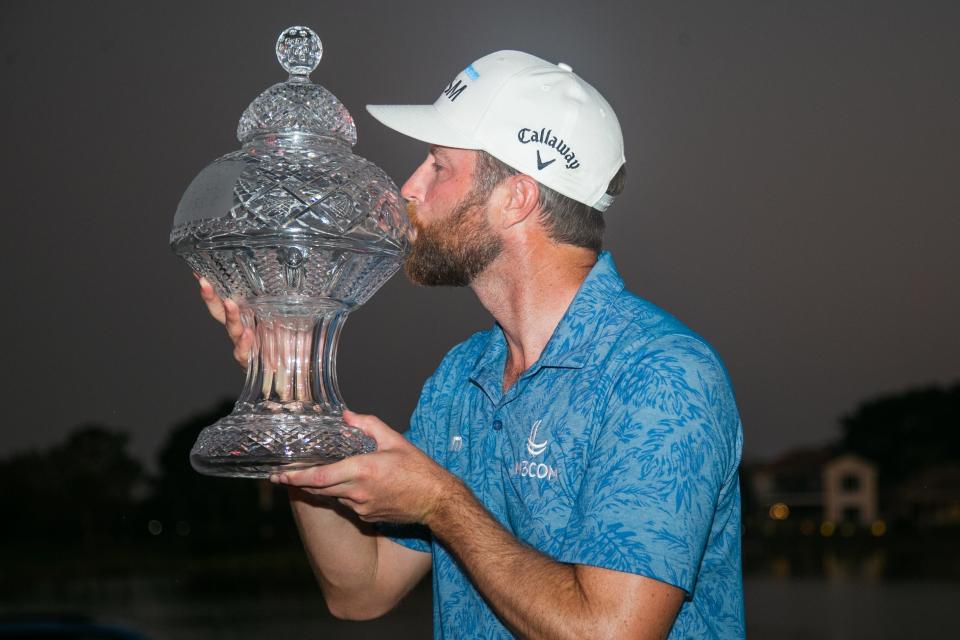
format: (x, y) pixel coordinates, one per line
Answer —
(293, 362)
(290, 412)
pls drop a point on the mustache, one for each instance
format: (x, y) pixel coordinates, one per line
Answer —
(412, 213)
(415, 224)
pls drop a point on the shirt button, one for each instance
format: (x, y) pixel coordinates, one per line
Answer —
(497, 425)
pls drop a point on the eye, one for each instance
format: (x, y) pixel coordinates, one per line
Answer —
(438, 167)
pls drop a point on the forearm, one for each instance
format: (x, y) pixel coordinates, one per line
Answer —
(399, 483)
(502, 569)
(342, 551)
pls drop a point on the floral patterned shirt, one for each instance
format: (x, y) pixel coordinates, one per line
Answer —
(618, 448)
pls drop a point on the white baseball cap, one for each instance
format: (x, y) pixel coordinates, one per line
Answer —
(539, 118)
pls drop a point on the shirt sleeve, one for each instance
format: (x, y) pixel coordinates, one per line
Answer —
(668, 444)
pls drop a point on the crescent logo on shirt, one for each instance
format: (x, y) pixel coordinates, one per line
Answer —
(533, 447)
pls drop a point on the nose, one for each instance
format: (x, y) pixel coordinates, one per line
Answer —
(413, 189)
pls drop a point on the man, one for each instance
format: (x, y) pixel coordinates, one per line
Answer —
(570, 473)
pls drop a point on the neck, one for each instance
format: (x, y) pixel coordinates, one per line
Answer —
(527, 289)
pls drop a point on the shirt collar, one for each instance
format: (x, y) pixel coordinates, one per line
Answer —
(574, 336)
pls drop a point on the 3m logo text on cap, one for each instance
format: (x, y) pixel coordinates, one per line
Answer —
(454, 89)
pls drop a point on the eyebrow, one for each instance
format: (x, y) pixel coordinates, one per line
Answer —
(437, 150)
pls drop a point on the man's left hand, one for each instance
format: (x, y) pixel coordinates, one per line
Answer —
(396, 483)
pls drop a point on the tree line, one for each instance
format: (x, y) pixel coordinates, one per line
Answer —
(89, 490)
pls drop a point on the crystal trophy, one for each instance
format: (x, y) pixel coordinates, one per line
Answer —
(299, 231)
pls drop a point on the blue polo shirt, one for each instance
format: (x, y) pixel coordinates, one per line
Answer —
(618, 448)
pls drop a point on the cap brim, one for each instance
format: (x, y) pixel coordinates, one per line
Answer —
(421, 122)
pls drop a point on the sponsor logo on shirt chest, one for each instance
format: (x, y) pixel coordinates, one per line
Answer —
(532, 468)
(535, 470)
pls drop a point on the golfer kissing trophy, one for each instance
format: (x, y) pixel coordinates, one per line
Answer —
(298, 231)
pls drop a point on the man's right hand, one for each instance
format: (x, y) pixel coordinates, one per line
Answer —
(227, 313)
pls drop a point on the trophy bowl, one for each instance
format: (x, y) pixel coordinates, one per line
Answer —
(299, 231)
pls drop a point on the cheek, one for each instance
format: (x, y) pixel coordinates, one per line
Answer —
(440, 192)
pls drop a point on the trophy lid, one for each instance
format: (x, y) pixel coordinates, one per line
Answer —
(297, 106)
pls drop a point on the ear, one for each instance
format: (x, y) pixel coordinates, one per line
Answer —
(519, 198)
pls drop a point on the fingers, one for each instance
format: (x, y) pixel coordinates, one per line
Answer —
(371, 426)
(241, 336)
(321, 477)
(227, 313)
(242, 346)
(213, 301)
(232, 320)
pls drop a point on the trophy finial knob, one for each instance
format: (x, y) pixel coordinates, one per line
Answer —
(299, 50)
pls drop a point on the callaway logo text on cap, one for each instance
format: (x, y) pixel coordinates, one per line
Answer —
(539, 118)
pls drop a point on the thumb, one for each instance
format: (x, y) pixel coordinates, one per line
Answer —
(371, 426)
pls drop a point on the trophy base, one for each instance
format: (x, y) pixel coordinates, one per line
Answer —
(257, 445)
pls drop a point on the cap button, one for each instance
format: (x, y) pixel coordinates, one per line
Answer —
(564, 66)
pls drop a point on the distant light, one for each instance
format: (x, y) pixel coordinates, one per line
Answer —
(878, 528)
(827, 528)
(779, 511)
(155, 527)
(807, 527)
(183, 528)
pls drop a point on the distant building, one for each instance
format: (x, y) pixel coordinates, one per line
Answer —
(815, 485)
(850, 491)
(794, 480)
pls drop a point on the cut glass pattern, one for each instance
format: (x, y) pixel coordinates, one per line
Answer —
(299, 231)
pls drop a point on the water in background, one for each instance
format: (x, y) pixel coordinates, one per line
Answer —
(776, 608)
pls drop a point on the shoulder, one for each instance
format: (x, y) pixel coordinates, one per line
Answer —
(458, 362)
(651, 337)
(668, 383)
(465, 355)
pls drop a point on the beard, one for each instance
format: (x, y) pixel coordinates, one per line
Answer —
(455, 250)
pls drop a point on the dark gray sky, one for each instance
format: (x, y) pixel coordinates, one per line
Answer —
(792, 193)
